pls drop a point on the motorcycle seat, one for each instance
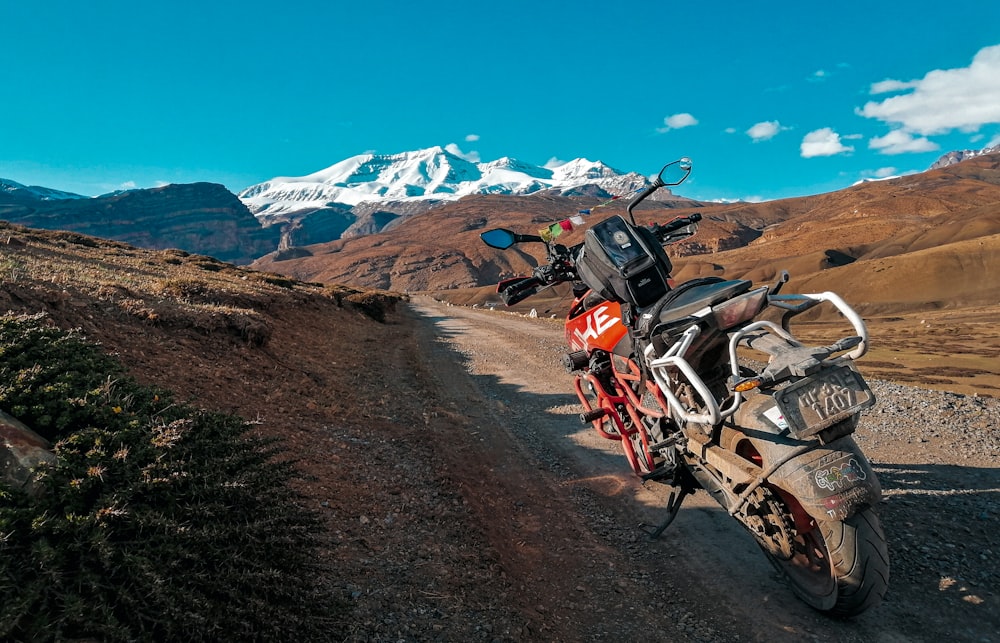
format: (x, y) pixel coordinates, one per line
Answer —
(688, 298)
(699, 296)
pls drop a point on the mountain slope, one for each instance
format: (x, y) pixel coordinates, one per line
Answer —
(368, 192)
(957, 156)
(821, 240)
(14, 192)
(430, 174)
(203, 218)
(439, 249)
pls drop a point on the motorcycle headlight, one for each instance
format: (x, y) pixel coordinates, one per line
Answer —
(734, 312)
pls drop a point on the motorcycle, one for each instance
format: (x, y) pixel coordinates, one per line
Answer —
(670, 372)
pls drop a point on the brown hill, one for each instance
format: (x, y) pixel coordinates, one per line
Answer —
(441, 249)
(306, 364)
(927, 239)
(923, 240)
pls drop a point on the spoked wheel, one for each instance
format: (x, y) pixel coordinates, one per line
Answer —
(839, 567)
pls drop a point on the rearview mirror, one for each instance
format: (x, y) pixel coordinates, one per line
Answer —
(498, 238)
(675, 173)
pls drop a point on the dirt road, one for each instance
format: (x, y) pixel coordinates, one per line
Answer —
(564, 513)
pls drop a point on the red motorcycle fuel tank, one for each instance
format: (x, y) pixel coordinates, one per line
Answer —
(597, 327)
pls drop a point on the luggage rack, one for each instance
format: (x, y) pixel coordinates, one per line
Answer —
(673, 360)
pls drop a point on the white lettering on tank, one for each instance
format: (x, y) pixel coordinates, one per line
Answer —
(597, 323)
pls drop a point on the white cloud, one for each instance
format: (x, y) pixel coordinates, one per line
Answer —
(945, 99)
(472, 157)
(677, 121)
(888, 85)
(818, 76)
(554, 162)
(901, 142)
(471, 138)
(821, 75)
(765, 130)
(885, 172)
(730, 130)
(823, 142)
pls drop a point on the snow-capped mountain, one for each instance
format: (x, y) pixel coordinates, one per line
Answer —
(34, 192)
(958, 156)
(433, 174)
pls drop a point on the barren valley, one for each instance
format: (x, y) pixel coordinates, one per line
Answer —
(463, 499)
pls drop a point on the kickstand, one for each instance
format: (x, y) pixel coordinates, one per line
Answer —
(673, 508)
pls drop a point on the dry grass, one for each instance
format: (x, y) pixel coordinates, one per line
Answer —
(66, 274)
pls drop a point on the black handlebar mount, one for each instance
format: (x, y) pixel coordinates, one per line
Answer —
(561, 261)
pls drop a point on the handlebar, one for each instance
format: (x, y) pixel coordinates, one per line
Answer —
(518, 289)
(561, 262)
(662, 232)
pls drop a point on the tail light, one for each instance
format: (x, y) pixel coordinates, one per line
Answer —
(734, 312)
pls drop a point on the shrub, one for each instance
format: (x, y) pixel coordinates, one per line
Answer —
(158, 521)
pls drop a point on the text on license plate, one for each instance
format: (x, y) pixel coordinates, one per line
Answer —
(815, 403)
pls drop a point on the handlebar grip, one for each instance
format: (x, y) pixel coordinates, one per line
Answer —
(518, 289)
(680, 222)
(661, 231)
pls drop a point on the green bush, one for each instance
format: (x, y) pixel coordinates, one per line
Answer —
(158, 522)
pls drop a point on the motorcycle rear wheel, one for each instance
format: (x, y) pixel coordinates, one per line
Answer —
(840, 568)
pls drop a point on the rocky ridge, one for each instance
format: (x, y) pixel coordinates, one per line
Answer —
(957, 156)
(202, 218)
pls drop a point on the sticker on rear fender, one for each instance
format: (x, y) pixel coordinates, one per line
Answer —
(837, 476)
(775, 416)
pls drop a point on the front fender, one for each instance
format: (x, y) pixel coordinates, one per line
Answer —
(831, 481)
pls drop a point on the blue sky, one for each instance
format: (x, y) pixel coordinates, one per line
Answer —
(769, 99)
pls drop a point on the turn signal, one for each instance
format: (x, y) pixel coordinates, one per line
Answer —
(748, 384)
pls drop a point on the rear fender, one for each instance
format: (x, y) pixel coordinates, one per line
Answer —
(831, 481)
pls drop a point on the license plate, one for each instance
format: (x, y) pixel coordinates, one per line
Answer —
(821, 400)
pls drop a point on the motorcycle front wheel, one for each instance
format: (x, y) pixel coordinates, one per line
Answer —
(839, 567)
